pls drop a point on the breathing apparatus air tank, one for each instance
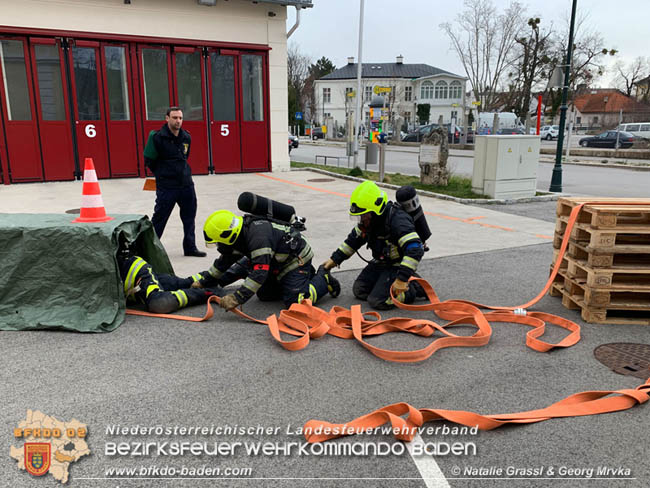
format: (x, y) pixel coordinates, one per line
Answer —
(408, 199)
(270, 209)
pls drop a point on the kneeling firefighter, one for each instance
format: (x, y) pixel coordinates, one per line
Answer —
(269, 252)
(159, 292)
(390, 232)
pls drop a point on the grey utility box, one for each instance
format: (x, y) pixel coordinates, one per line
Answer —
(506, 166)
(372, 153)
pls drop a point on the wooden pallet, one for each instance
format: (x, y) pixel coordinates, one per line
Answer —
(618, 278)
(611, 315)
(604, 258)
(607, 216)
(623, 239)
(606, 298)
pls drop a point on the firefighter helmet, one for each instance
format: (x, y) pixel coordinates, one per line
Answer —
(223, 227)
(367, 197)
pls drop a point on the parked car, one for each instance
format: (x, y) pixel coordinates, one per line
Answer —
(425, 130)
(639, 129)
(512, 131)
(317, 133)
(549, 132)
(608, 139)
(294, 140)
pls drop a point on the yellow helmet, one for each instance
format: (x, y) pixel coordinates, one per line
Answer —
(367, 197)
(223, 227)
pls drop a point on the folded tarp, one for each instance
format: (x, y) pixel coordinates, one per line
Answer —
(58, 275)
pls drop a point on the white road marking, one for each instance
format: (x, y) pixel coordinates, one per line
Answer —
(427, 466)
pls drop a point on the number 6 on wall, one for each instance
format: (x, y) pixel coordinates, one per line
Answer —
(225, 130)
(90, 131)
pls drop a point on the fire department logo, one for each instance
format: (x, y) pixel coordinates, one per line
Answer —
(186, 146)
(37, 457)
(49, 445)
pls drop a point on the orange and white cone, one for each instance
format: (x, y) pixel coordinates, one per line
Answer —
(92, 205)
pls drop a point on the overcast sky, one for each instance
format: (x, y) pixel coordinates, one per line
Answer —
(411, 28)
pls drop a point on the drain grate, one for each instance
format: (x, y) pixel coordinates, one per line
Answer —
(73, 211)
(321, 180)
(625, 358)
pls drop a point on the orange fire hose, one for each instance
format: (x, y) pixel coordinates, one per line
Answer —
(306, 321)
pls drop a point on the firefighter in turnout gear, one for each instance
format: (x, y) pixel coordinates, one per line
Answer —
(397, 249)
(160, 293)
(274, 259)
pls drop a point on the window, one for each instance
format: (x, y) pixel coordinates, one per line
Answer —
(454, 115)
(367, 94)
(327, 115)
(578, 120)
(441, 89)
(595, 120)
(348, 90)
(407, 116)
(645, 128)
(327, 95)
(455, 90)
(633, 128)
(426, 90)
(408, 93)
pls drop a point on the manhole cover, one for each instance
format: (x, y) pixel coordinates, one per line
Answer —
(626, 358)
(321, 180)
(73, 211)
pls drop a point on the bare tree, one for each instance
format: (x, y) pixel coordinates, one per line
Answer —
(627, 75)
(297, 74)
(533, 56)
(484, 39)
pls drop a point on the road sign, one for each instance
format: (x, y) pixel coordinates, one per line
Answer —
(382, 89)
(476, 103)
(351, 94)
(298, 115)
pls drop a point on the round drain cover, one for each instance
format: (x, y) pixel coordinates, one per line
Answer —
(321, 180)
(73, 211)
(625, 358)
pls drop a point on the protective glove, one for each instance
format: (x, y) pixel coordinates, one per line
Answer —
(329, 264)
(197, 284)
(229, 302)
(399, 286)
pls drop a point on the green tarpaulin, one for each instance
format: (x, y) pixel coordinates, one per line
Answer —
(58, 275)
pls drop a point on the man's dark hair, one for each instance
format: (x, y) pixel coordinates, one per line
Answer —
(173, 109)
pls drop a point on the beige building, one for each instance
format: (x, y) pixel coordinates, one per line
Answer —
(91, 78)
(411, 85)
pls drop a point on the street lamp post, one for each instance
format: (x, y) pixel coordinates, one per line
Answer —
(556, 178)
(357, 115)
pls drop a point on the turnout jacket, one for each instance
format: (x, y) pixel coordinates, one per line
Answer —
(166, 156)
(391, 238)
(273, 249)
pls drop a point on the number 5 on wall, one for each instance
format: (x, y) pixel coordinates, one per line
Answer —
(225, 130)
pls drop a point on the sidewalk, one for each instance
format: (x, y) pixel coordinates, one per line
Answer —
(323, 200)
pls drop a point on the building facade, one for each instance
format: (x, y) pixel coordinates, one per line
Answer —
(411, 85)
(92, 78)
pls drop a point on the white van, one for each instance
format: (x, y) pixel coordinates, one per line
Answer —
(637, 129)
(507, 120)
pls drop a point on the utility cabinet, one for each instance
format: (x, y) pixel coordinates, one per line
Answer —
(506, 166)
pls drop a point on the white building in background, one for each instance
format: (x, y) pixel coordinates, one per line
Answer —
(413, 84)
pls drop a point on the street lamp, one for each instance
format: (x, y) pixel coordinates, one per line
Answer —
(556, 178)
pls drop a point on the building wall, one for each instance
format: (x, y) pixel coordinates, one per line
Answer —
(232, 21)
(337, 105)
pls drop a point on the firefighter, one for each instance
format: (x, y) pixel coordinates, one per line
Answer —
(160, 293)
(396, 247)
(275, 259)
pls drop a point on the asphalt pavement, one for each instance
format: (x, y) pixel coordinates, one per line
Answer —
(229, 373)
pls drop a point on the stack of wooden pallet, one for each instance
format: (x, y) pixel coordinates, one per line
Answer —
(605, 272)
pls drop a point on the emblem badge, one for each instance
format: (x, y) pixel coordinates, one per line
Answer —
(186, 146)
(37, 458)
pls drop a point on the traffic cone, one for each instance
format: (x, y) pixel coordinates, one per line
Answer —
(92, 205)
